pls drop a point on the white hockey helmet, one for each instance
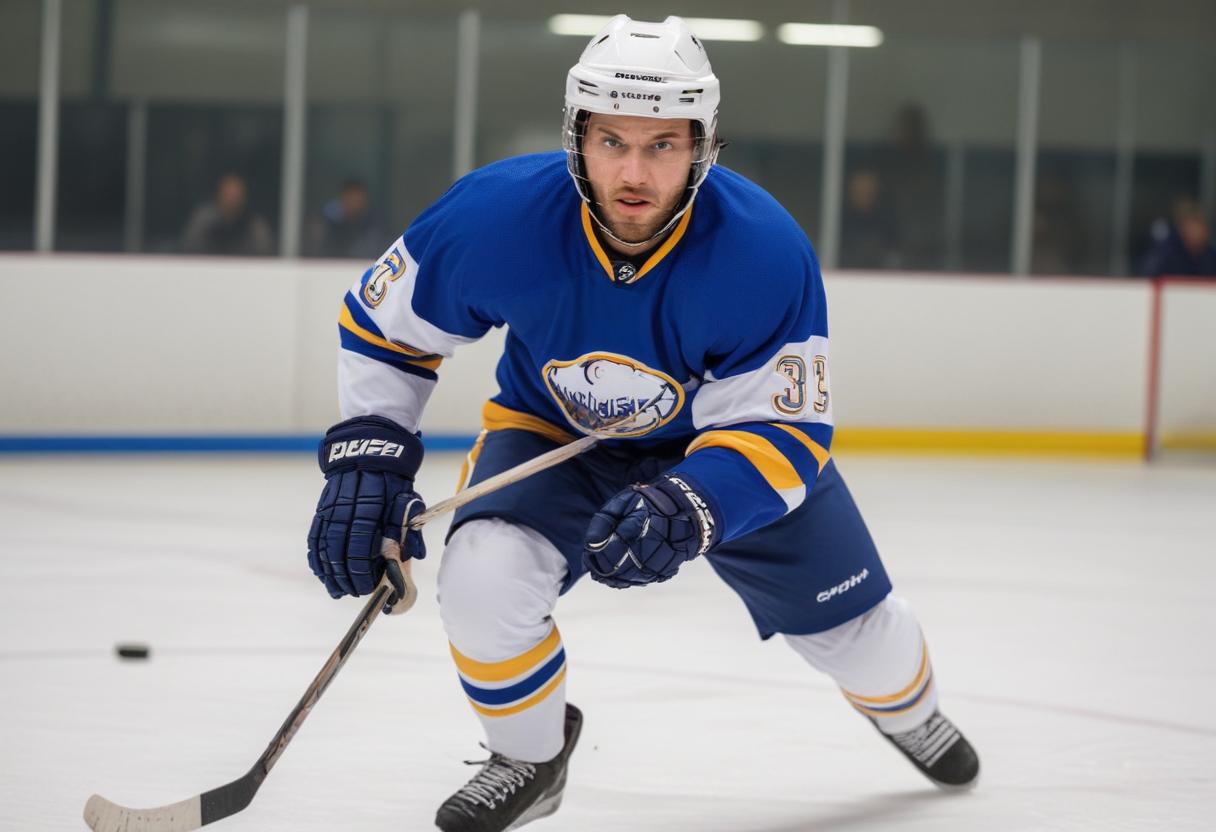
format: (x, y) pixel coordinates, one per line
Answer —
(635, 68)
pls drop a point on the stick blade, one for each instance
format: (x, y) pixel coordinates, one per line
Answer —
(103, 816)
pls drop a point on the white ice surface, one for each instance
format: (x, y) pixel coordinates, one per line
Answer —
(1070, 609)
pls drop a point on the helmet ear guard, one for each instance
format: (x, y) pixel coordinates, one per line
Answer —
(654, 70)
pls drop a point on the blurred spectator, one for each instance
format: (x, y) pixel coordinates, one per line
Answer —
(915, 185)
(346, 227)
(226, 225)
(867, 228)
(1183, 246)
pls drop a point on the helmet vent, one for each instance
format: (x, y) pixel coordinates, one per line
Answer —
(643, 35)
(601, 40)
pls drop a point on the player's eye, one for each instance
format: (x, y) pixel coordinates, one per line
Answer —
(663, 146)
(612, 144)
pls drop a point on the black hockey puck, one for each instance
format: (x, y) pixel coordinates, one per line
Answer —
(132, 651)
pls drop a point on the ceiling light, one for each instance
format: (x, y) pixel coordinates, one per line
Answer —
(721, 28)
(705, 28)
(828, 34)
(577, 24)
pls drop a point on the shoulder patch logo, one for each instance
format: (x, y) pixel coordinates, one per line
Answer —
(599, 388)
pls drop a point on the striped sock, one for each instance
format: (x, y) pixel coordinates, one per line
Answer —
(520, 700)
(905, 709)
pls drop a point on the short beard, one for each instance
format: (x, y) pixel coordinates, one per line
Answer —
(647, 234)
(640, 238)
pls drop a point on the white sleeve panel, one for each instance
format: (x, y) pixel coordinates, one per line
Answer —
(367, 387)
(387, 297)
(792, 386)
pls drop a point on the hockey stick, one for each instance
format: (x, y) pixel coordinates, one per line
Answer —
(105, 816)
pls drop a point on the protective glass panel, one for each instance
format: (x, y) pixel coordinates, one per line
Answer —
(521, 84)
(91, 184)
(772, 116)
(929, 159)
(20, 31)
(211, 79)
(91, 180)
(1175, 161)
(1075, 204)
(380, 117)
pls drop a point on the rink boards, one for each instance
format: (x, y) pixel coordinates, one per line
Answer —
(200, 349)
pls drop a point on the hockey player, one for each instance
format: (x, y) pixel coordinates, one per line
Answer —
(674, 306)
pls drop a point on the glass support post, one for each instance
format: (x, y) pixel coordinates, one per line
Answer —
(1030, 72)
(48, 126)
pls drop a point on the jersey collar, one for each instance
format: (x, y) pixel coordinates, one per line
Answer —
(659, 253)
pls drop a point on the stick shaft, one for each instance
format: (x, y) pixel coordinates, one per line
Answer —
(505, 478)
(527, 469)
(321, 681)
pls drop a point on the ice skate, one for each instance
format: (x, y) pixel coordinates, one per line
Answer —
(940, 752)
(508, 793)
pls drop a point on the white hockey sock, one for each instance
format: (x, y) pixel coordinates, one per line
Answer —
(521, 701)
(498, 584)
(881, 663)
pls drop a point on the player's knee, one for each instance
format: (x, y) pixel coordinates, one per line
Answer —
(498, 584)
(889, 626)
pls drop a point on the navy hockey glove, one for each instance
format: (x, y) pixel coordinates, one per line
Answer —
(369, 464)
(645, 533)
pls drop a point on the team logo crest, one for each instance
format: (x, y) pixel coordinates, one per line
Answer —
(601, 389)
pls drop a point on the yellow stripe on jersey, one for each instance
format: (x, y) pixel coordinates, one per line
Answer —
(594, 242)
(651, 262)
(428, 360)
(818, 451)
(777, 471)
(664, 249)
(502, 671)
(496, 417)
(470, 461)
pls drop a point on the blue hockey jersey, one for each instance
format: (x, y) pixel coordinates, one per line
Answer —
(719, 339)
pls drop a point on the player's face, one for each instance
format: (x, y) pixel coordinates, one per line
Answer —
(638, 168)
